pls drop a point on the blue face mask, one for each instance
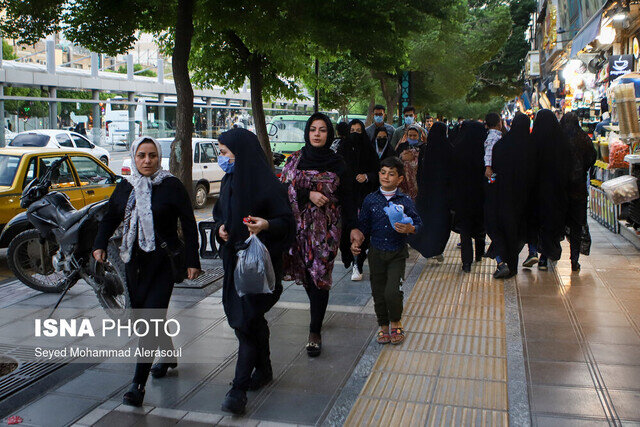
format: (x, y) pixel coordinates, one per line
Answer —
(223, 162)
(378, 119)
(412, 142)
(408, 120)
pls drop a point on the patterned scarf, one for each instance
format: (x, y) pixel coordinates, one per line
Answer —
(138, 217)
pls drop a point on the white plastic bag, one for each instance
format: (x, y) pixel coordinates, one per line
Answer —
(254, 271)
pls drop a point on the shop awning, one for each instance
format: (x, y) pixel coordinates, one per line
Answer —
(586, 34)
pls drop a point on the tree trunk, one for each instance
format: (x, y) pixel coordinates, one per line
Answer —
(255, 79)
(391, 94)
(180, 162)
(372, 103)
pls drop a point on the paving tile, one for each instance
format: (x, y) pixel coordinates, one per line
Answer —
(97, 384)
(167, 391)
(626, 404)
(207, 399)
(120, 419)
(201, 417)
(451, 415)
(554, 314)
(474, 367)
(549, 332)
(560, 373)
(46, 410)
(566, 400)
(155, 421)
(474, 345)
(400, 387)
(620, 376)
(546, 421)
(471, 393)
(611, 335)
(303, 408)
(615, 354)
(554, 351)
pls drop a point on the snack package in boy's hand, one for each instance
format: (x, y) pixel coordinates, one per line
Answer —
(396, 214)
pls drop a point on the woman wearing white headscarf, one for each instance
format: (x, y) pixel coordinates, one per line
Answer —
(149, 204)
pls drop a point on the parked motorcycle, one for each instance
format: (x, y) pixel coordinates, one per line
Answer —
(57, 252)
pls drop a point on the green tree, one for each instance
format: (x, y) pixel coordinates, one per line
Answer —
(110, 27)
(137, 69)
(7, 51)
(502, 75)
(26, 109)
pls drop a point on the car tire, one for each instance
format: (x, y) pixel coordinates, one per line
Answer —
(200, 196)
(105, 160)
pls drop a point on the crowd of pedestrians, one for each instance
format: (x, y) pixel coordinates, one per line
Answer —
(370, 193)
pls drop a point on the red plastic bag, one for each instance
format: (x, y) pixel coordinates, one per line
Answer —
(617, 151)
(14, 420)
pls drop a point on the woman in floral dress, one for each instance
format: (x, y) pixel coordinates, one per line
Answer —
(319, 188)
(409, 151)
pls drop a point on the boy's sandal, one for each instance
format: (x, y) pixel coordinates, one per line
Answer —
(383, 337)
(397, 335)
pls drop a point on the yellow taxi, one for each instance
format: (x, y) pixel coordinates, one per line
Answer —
(82, 177)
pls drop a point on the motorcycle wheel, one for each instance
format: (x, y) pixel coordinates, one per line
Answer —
(115, 299)
(30, 267)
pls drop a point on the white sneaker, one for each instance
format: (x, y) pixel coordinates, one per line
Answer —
(356, 276)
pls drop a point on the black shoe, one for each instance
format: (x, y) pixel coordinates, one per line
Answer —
(314, 348)
(235, 401)
(543, 264)
(575, 266)
(260, 379)
(502, 272)
(134, 396)
(531, 261)
(159, 370)
(466, 268)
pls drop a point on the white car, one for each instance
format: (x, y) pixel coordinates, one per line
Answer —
(59, 138)
(207, 174)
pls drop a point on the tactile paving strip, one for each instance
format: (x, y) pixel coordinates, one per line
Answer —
(452, 367)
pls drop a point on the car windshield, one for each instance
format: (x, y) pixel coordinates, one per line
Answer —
(29, 140)
(8, 168)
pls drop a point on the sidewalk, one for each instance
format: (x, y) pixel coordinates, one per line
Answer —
(551, 348)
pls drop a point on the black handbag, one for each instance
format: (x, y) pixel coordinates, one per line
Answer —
(585, 244)
(177, 259)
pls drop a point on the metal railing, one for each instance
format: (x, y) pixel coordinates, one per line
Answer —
(603, 210)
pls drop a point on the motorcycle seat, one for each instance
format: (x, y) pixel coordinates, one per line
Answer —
(67, 219)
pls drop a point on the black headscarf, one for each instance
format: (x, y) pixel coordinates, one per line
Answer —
(388, 149)
(253, 186)
(583, 155)
(553, 178)
(322, 159)
(434, 193)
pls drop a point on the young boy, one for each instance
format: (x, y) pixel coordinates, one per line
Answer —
(388, 251)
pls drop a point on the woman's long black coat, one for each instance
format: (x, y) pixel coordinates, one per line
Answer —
(434, 193)
(241, 311)
(149, 275)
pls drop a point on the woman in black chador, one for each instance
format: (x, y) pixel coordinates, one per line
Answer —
(382, 144)
(363, 163)
(434, 193)
(249, 190)
(149, 205)
(554, 155)
(509, 163)
(468, 181)
(583, 156)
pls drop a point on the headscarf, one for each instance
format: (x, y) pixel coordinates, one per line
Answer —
(319, 158)
(138, 217)
(437, 143)
(468, 157)
(375, 138)
(253, 184)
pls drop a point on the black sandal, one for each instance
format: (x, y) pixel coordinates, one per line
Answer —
(314, 349)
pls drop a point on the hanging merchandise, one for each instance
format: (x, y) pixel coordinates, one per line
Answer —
(625, 97)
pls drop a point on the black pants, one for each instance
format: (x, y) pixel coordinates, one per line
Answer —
(318, 300)
(150, 287)
(466, 246)
(362, 257)
(253, 352)
(387, 272)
